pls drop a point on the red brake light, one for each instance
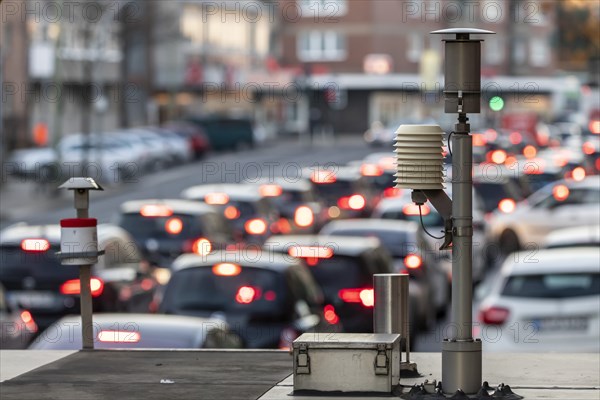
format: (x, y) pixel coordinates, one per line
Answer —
(507, 205)
(323, 176)
(595, 127)
(330, 315)
(231, 212)
(529, 151)
(156, 210)
(201, 246)
(35, 245)
(479, 140)
(392, 192)
(27, 319)
(72, 287)
(310, 251)
(226, 269)
(589, 148)
(270, 190)
(412, 261)
(174, 226)
(357, 295)
(371, 170)
(578, 174)
(560, 192)
(216, 198)
(354, 202)
(303, 216)
(493, 315)
(255, 226)
(515, 137)
(246, 295)
(497, 156)
(119, 337)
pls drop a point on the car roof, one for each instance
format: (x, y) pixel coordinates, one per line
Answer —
(186, 330)
(246, 258)
(177, 205)
(552, 261)
(13, 235)
(235, 191)
(288, 184)
(372, 224)
(580, 235)
(341, 172)
(344, 245)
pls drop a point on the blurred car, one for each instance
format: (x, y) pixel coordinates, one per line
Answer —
(267, 299)
(295, 201)
(35, 279)
(343, 190)
(179, 147)
(161, 154)
(225, 133)
(197, 139)
(402, 208)
(496, 187)
(167, 228)
(252, 216)
(411, 254)
(379, 170)
(139, 331)
(343, 267)
(574, 237)
(30, 163)
(17, 327)
(544, 301)
(564, 204)
(380, 135)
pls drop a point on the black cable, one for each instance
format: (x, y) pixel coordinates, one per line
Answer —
(449, 143)
(423, 225)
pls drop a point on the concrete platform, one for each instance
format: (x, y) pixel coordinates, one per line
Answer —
(265, 375)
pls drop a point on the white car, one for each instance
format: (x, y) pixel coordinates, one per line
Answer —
(542, 301)
(571, 237)
(563, 204)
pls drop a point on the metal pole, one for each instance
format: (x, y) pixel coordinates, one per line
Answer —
(85, 276)
(390, 311)
(461, 354)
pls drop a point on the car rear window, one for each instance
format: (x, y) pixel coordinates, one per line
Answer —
(161, 227)
(331, 192)
(492, 193)
(17, 264)
(339, 272)
(553, 286)
(254, 291)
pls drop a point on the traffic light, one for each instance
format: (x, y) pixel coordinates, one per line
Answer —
(496, 103)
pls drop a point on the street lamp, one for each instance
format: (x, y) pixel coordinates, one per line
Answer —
(419, 169)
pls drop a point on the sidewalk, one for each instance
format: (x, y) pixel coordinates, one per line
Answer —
(263, 374)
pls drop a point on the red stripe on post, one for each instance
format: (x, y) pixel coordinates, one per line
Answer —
(78, 223)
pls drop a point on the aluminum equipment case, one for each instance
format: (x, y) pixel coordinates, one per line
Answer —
(347, 362)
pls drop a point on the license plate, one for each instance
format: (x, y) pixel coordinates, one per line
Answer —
(33, 300)
(562, 324)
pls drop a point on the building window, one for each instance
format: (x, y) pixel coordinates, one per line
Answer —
(494, 51)
(415, 46)
(539, 52)
(321, 46)
(323, 8)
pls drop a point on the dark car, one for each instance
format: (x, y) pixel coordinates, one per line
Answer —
(167, 228)
(251, 214)
(139, 331)
(412, 254)
(296, 202)
(497, 188)
(344, 268)
(226, 133)
(343, 190)
(267, 299)
(35, 279)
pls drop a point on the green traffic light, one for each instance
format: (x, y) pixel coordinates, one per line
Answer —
(496, 103)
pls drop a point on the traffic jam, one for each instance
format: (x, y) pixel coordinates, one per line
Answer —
(257, 263)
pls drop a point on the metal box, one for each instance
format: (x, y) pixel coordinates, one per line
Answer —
(347, 362)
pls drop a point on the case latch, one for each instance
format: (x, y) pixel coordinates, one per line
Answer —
(381, 360)
(303, 360)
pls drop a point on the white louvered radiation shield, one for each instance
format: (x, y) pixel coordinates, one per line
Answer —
(419, 157)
